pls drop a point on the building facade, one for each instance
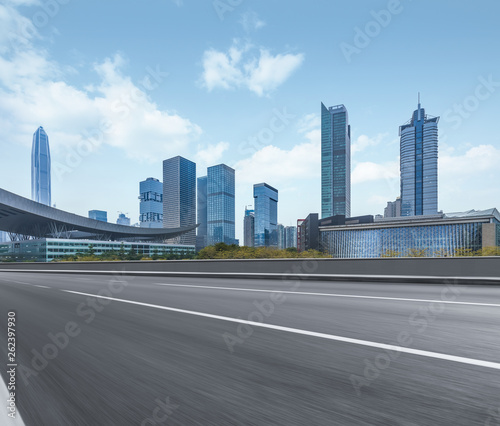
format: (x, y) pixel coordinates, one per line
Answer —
(309, 233)
(202, 213)
(433, 236)
(281, 236)
(393, 208)
(151, 203)
(220, 204)
(48, 249)
(123, 220)
(179, 197)
(99, 215)
(266, 215)
(40, 168)
(249, 228)
(291, 236)
(419, 164)
(335, 161)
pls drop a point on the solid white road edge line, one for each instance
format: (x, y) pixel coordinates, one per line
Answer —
(328, 294)
(476, 362)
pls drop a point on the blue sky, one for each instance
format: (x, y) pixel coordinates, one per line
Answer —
(121, 86)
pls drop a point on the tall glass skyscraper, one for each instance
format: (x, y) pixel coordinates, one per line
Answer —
(335, 161)
(151, 204)
(249, 227)
(266, 215)
(419, 164)
(201, 231)
(40, 168)
(220, 204)
(179, 197)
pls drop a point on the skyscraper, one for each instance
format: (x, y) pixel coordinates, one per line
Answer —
(419, 164)
(100, 215)
(249, 228)
(281, 236)
(335, 161)
(123, 220)
(40, 168)
(291, 236)
(201, 219)
(151, 203)
(266, 215)
(393, 208)
(220, 204)
(179, 197)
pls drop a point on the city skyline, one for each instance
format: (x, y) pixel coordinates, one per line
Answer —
(116, 106)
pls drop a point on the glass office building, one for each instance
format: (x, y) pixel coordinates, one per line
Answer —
(220, 205)
(179, 197)
(151, 203)
(201, 213)
(433, 236)
(40, 168)
(99, 215)
(419, 164)
(291, 236)
(249, 227)
(48, 249)
(266, 215)
(335, 161)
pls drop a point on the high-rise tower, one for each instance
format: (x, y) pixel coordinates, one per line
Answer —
(40, 168)
(419, 164)
(179, 197)
(266, 215)
(335, 161)
(220, 204)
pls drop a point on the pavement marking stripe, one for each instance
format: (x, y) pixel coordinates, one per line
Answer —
(329, 294)
(471, 361)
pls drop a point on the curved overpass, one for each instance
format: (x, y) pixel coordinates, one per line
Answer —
(19, 215)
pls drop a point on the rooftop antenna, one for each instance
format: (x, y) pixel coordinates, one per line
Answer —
(418, 106)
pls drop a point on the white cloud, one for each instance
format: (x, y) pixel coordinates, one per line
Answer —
(209, 156)
(33, 93)
(477, 159)
(364, 141)
(251, 21)
(239, 67)
(369, 171)
(283, 166)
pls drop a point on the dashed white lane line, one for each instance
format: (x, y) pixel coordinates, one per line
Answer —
(303, 293)
(446, 357)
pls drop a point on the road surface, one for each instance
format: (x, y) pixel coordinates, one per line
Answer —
(121, 350)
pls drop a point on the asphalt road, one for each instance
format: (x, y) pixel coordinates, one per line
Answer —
(180, 351)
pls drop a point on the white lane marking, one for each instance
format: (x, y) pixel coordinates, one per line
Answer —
(329, 294)
(476, 362)
(41, 286)
(4, 396)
